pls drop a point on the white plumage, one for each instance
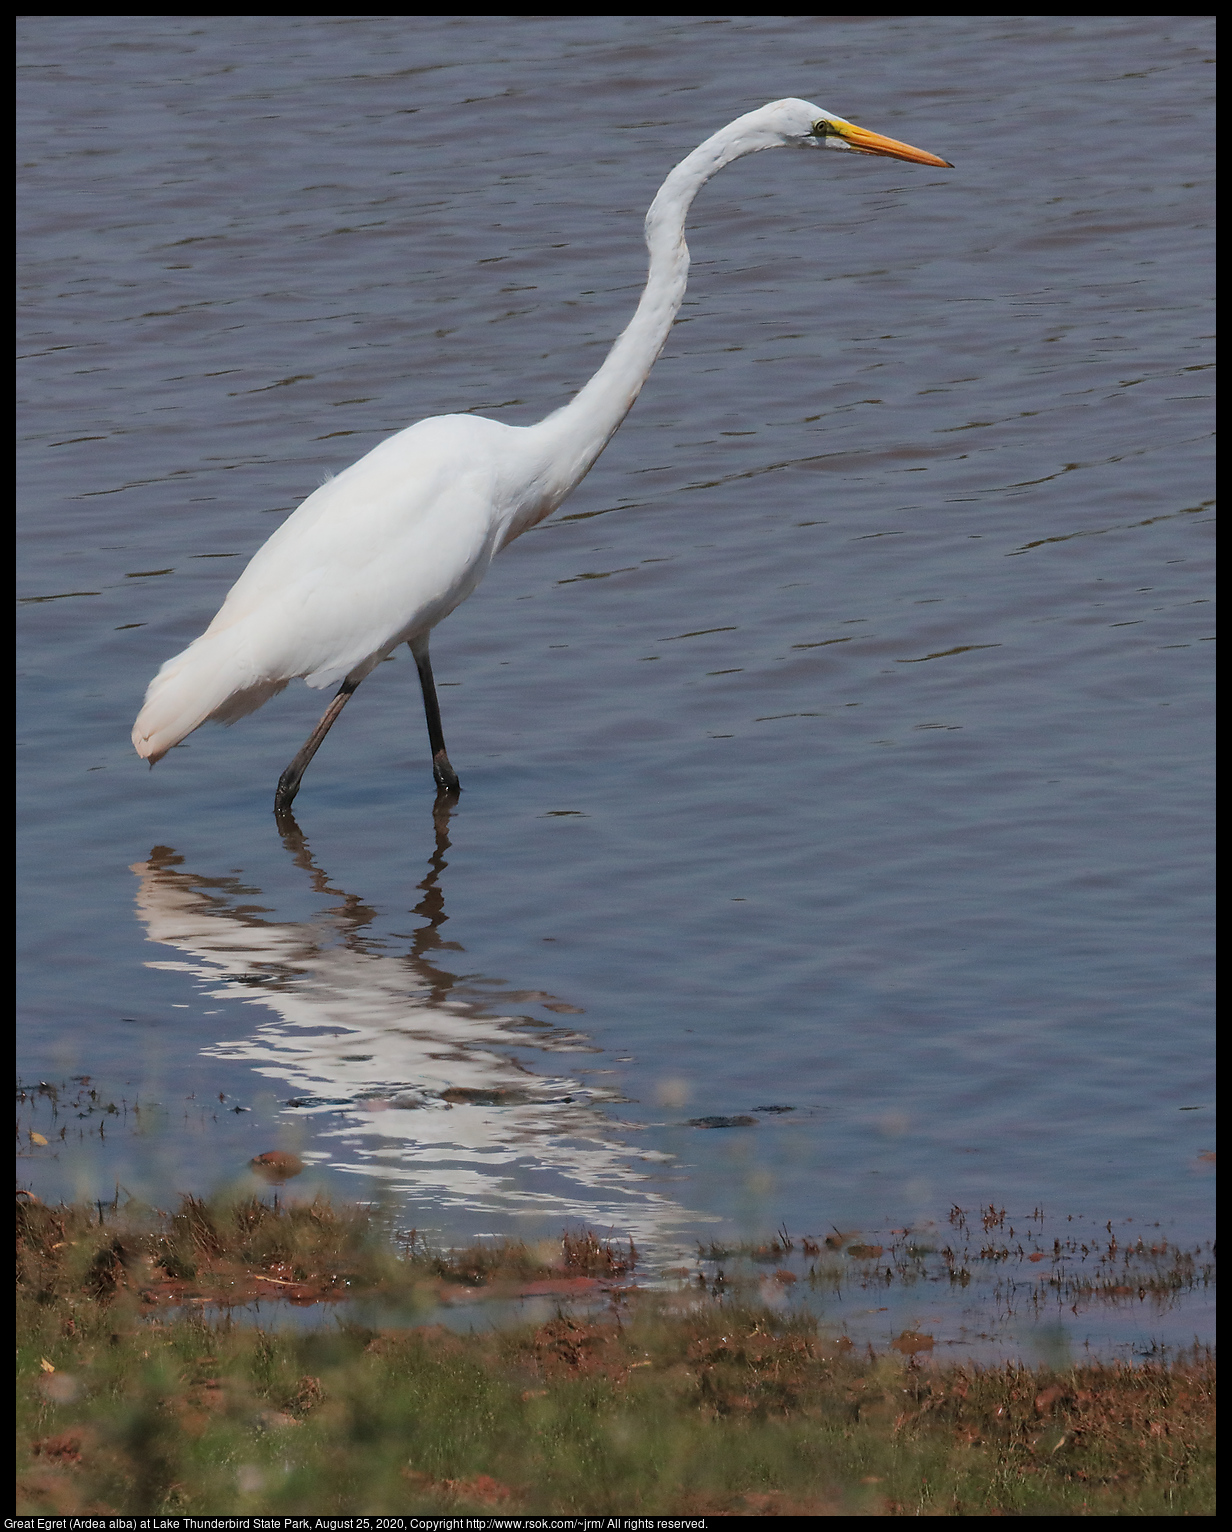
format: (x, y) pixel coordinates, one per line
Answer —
(374, 557)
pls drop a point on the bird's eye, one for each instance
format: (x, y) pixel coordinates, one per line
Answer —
(821, 128)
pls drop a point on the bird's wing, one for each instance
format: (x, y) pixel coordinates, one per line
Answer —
(373, 557)
(386, 549)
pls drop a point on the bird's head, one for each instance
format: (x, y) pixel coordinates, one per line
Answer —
(795, 124)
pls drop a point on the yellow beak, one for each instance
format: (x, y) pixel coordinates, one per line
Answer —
(875, 143)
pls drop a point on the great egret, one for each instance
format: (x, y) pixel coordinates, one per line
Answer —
(379, 555)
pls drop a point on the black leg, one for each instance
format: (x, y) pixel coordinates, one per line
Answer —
(288, 782)
(446, 776)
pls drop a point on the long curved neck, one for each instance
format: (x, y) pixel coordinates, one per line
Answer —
(573, 437)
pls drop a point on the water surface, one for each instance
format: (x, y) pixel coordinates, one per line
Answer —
(813, 757)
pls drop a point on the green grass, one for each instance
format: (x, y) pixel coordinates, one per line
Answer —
(711, 1408)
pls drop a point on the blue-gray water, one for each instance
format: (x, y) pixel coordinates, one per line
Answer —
(812, 754)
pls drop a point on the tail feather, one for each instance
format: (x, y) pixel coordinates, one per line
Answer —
(208, 680)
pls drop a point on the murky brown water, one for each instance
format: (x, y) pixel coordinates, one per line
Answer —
(813, 757)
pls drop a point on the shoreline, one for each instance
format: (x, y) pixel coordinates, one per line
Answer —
(659, 1401)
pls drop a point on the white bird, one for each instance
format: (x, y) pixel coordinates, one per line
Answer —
(383, 552)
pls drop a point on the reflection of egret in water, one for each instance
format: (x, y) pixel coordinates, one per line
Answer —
(407, 1073)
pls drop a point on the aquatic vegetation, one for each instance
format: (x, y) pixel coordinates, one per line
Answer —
(1016, 1269)
(667, 1402)
(232, 1252)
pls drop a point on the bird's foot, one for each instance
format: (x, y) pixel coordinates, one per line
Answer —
(284, 793)
(446, 777)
